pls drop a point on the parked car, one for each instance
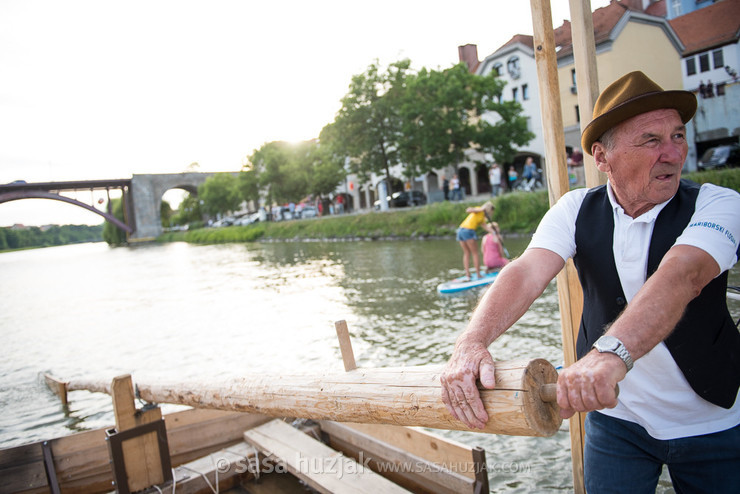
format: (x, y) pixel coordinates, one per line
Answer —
(309, 212)
(726, 155)
(404, 199)
(247, 219)
(225, 221)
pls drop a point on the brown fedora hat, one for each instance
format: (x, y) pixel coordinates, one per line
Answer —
(631, 95)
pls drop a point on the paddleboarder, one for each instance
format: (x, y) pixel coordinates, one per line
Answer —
(467, 236)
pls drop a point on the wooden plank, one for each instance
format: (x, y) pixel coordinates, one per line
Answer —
(82, 461)
(22, 468)
(345, 345)
(58, 387)
(423, 444)
(397, 464)
(321, 467)
(198, 432)
(219, 470)
(140, 454)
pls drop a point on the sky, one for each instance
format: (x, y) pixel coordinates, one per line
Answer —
(96, 89)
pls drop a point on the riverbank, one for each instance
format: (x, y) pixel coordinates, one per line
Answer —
(516, 213)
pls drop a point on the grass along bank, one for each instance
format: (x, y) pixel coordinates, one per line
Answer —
(517, 212)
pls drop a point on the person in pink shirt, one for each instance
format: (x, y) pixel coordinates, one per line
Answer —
(494, 256)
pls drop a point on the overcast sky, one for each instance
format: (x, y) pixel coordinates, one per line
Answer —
(100, 89)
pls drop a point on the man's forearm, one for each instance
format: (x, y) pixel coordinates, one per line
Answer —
(516, 287)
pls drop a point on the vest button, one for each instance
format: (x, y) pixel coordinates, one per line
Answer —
(621, 301)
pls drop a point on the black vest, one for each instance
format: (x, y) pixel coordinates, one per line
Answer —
(705, 343)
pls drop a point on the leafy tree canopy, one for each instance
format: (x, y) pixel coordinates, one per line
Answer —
(220, 194)
(368, 127)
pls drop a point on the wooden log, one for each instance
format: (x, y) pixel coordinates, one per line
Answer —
(399, 396)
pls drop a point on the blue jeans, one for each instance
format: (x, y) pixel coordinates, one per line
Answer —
(620, 457)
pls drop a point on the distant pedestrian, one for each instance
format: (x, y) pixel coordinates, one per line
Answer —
(456, 190)
(513, 176)
(446, 188)
(494, 178)
(340, 204)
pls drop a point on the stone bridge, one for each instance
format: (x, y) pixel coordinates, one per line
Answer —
(146, 199)
(142, 198)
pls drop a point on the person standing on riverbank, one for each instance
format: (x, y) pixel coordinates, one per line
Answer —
(494, 178)
(467, 236)
(652, 253)
(456, 191)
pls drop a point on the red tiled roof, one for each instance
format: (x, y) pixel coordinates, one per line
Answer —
(657, 9)
(604, 20)
(711, 26)
(525, 39)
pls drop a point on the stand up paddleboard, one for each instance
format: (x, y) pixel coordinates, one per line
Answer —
(461, 283)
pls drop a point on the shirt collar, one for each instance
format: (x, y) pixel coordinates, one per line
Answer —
(646, 217)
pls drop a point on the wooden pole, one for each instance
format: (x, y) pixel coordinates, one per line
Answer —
(587, 77)
(569, 290)
(399, 396)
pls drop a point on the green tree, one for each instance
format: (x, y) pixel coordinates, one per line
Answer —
(249, 185)
(188, 212)
(368, 127)
(220, 194)
(442, 114)
(280, 172)
(111, 233)
(165, 214)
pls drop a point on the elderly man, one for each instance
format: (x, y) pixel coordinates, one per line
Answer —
(652, 253)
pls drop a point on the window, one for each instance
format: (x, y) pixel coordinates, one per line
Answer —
(719, 60)
(573, 76)
(512, 66)
(578, 115)
(690, 66)
(515, 94)
(497, 68)
(704, 62)
(676, 8)
(525, 92)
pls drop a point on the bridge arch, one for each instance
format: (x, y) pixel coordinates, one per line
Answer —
(147, 192)
(42, 194)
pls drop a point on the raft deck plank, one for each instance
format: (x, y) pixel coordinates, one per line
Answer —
(321, 467)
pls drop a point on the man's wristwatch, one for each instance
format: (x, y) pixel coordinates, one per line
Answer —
(610, 344)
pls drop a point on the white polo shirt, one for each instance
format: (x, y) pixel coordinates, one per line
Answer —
(655, 393)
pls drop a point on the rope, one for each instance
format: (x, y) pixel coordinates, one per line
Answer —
(174, 483)
(215, 491)
(257, 470)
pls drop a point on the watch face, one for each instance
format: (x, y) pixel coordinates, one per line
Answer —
(607, 343)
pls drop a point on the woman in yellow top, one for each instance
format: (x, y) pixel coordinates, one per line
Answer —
(479, 216)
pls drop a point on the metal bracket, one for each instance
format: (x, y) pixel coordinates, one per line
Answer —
(115, 449)
(51, 473)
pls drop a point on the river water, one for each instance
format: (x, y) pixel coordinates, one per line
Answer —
(190, 311)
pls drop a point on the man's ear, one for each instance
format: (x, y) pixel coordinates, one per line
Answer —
(599, 153)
